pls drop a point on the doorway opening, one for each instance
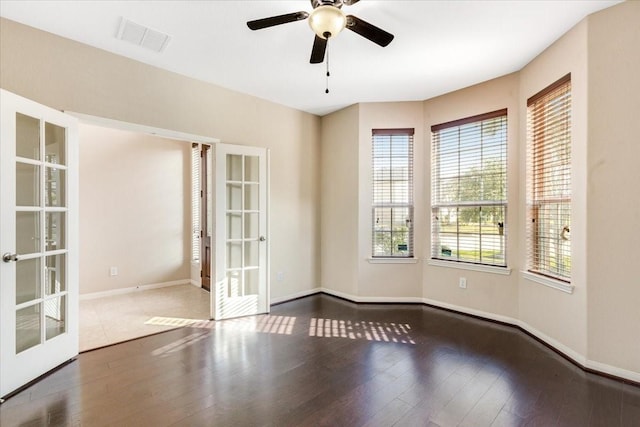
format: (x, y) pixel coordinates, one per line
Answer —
(138, 276)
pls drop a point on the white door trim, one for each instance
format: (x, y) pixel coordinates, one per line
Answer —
(150, 130)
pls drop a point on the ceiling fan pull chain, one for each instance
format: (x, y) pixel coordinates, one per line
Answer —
(328, 74)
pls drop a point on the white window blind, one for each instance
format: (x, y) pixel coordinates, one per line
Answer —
(392, 209)
(469, 189)
(195, 202)
(549, 180)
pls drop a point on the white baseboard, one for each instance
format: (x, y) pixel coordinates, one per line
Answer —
(296, 295)
(112, 292)
(471, 311)
(613, 370)
(362, 299)
(569, 352)
(195, 283)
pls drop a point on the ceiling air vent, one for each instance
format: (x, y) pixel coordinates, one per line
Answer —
(142, 36)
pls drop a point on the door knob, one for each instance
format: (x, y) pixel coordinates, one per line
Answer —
(7, 257)
(262, 238)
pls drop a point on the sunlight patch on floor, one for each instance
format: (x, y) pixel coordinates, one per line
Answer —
(280, 325)
(175, 322)
(368, 330)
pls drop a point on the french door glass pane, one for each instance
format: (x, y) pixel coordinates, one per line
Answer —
(251, 194)
(27, 280)
(55, 277)
(234, 197)
(27, 137)
(28, 327)
(27, 232)
(234, 167)
(234, 255)
(55, 187)
(251, 253)
(251, 225)
(234, 279)
(54, 144)
(54, 315)
(55, 231)
(251, 168)
(27, 184)
(234, 226)
(251, 281)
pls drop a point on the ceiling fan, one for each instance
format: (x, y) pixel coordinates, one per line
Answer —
(327, 20)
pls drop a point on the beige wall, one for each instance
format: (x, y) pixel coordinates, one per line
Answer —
(486, 292)
(613, 176)
(339, 189)
(135, 209)
(67, 75)
(556, 314)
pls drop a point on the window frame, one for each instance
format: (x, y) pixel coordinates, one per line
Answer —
(408, 204)
(537, 187)
(437, 203)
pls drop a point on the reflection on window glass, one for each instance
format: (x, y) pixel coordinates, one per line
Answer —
(28, 327)
(55, 187)
(55, 230)
(54, 144)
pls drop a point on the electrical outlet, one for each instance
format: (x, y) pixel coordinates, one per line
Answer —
(463, 283)
(113, 271)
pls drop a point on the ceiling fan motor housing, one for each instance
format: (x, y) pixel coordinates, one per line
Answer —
(334, 3)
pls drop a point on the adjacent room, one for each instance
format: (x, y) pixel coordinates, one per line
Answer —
(137, 206)
(325, 212)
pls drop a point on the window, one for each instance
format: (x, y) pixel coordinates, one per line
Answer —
(469, 189)
(549, 180)
(392, 157)
(195, 202)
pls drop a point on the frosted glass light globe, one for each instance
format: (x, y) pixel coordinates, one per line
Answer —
(327, 19)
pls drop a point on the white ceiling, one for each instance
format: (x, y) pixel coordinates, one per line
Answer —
(439, 46)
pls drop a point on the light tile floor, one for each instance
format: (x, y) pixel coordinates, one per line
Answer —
(113, 319)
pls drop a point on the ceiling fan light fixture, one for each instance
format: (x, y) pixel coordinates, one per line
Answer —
(327, 21)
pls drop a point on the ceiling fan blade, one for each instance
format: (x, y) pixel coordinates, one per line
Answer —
(319, 48)
(259, 24)
(350, 2)
(369, 31)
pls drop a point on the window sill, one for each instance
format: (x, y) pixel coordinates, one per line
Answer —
(547, 281)
(392, 260)
(505, 271)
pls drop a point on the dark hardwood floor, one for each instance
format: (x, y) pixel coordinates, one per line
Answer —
(324, 361)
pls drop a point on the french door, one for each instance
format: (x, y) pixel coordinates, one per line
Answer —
(241, 256)
(38, 240)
